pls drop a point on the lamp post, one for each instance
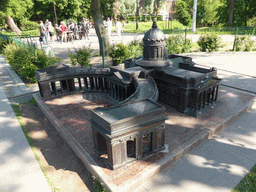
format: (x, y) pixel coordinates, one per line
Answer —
(137, 25)
(194, 16)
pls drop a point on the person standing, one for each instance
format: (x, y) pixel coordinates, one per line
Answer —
(47, 29)
(42, 31)
(109, 27)
(51, 30)
(63, 30)
(118, 27)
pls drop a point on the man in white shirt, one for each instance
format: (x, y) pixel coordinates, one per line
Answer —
(109, 27)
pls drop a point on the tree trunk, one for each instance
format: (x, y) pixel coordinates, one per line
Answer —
(99, 26)
(231, 11)
(116, 12)
(12, 25)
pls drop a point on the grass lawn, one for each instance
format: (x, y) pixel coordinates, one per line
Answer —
(248, 183)
(171, 27)
(176, 27)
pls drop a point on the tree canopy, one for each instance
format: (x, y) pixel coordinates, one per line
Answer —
(209, 12)
(16, 9)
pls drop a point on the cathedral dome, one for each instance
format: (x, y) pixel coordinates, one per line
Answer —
(154, 36)
(154, 49)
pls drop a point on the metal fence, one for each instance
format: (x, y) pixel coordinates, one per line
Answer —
(24, 41)
(220, 31)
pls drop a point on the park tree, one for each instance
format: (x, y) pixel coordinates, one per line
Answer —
(230, 13)
(242, 12)
(65, 9)
(207, 11)
(99, 26)
(149, 7)
(107, 7)
(125, 8)
(158, 5)
(183, 12)
(14, 10)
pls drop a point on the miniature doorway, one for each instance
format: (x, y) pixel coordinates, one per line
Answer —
(131, 148)
(102, 145)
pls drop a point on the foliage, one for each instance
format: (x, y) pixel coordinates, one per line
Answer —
(136, 42)
(252, 22)
(243, 43)
(146, 18)
(119, 52)
(207, 12)
(4, 40)
(125, 8)
(8, 52)
(65, 9)
(25, 59)
(149, 7)
(158, 5)
(183, 13)
(248, 183)
(20, 61)
(107, 7)
(178, 44)
(29, 25)
(15, 8)
(97, 185)
(32, 102)
(81, 56)
(145, 26)
(43, 60)
(209, 42)
(243, 12)
(34, 32)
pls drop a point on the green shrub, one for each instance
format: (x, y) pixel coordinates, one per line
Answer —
(43, 60)
(178, 44)
(4, 41)
(81, 56)
(209, 42)
(25, 59)
(136, 42)
(34, 32)
(23, 64)
(252, 22)
(244, 43)
(9, 51)
(119, 52)
(29, 25)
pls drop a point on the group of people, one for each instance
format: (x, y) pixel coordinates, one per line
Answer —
(81, 27)
(46, 30)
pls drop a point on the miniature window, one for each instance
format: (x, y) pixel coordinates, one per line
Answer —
(147, 143)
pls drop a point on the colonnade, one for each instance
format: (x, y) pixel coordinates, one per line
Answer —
(120, 92)
(205, 97)
(49, 89)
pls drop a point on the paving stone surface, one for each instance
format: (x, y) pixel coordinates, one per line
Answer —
(182, 132)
